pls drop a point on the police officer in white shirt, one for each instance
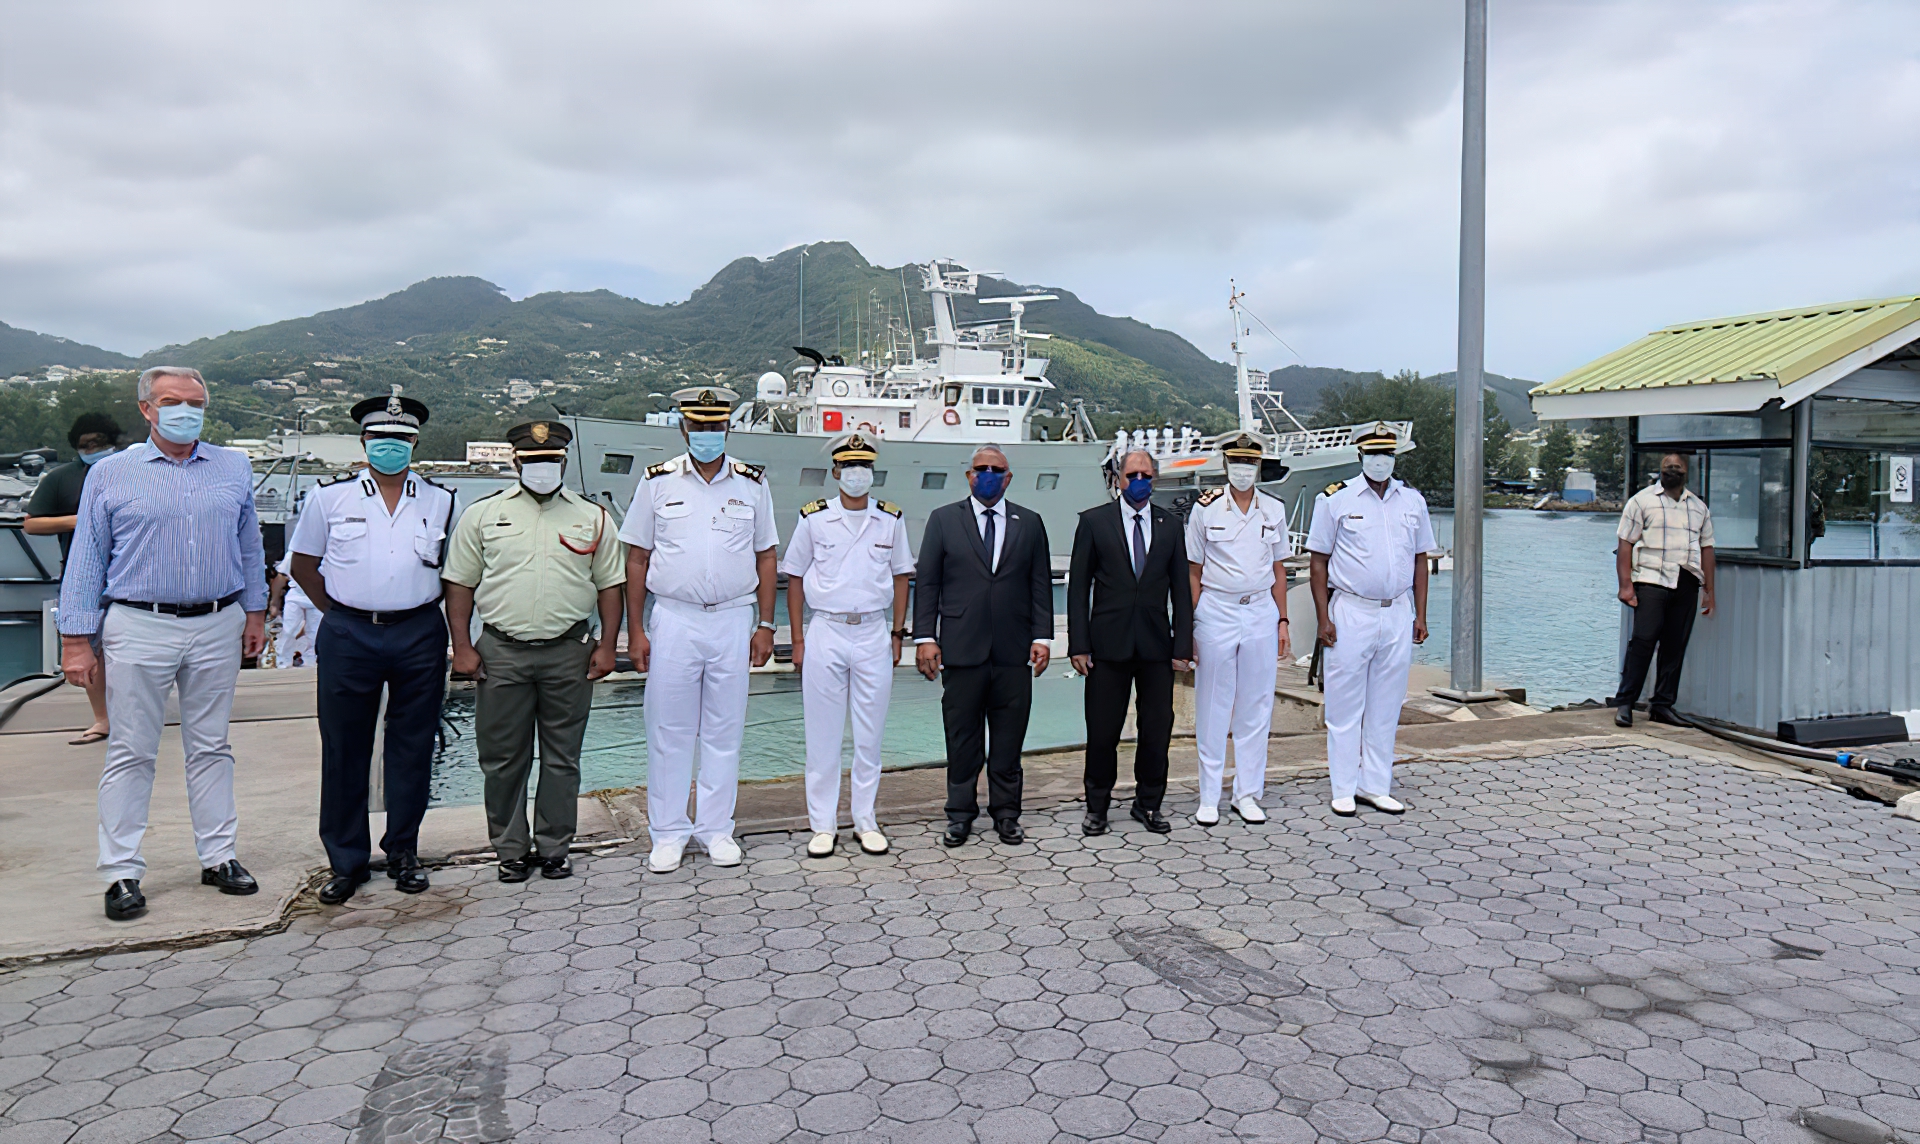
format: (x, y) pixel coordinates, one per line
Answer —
(1236, 541)
(848, 560)
(1369, 571)
(367, 551)
(701, 539)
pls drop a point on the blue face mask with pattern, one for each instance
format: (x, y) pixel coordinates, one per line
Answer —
(706, 444)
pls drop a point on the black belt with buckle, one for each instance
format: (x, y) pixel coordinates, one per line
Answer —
(385, 618)
(183, 611)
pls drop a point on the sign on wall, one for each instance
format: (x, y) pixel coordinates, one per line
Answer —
(1900, 480)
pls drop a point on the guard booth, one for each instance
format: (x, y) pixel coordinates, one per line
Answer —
(1802, 427)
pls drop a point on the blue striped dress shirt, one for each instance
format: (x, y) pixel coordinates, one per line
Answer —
(166, 532)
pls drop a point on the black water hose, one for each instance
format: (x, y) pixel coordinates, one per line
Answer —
(13, 707)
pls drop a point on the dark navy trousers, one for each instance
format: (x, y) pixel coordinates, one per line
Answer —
(357, 658)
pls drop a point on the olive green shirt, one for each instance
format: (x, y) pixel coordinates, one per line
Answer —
(536, 569)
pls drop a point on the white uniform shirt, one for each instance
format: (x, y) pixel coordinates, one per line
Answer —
(999, 509)
(295, 594)
(703, 536)
(374, 560)
(847, 558)
(1236, 549)
(1371, 541)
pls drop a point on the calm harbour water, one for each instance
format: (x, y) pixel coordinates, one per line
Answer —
(1550, 620)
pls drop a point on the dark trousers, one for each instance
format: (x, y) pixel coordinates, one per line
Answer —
(1663, 619)
(985, 709)
(357, 659)
(1150, 681)
(531, 685)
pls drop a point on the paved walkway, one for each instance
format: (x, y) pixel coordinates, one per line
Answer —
(1602, 941)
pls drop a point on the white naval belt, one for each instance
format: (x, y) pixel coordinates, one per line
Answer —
(1371, 600)
(874, 617)
(1249, 598)
(691, 608)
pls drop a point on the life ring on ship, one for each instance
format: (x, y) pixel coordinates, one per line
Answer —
(951, 417)
(839, 388)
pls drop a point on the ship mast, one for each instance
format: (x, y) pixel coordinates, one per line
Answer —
(1242, 387)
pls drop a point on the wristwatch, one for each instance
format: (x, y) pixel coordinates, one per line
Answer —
(768, 625)
(903, 634)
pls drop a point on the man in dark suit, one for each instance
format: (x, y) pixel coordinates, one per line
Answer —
(1130, 563)
(983, 614)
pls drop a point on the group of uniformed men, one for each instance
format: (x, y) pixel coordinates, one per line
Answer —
(379, 553)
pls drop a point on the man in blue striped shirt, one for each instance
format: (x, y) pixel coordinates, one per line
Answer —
(167, 567)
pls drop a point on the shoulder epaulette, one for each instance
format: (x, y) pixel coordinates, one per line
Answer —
(659, 470)
(1210, 496)
(812, 507)
(889, 508)
(1333, 488)
(751, 472)
(426, 480)
(339, 479)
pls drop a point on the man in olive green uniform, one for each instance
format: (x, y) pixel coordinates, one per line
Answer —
(539, 560)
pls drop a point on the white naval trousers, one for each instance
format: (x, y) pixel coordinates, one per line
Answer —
(1237, 658)
(299, 627)
(847, 666)
(1366, 679)
(696, 697)
(147, 656)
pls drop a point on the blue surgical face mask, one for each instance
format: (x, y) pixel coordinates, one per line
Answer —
(96, 458)
(706, 444)
(181, 424)
(389, 455)
(987, 484)
(1139, 489)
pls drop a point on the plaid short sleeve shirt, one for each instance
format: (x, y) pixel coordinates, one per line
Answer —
(1667, 535)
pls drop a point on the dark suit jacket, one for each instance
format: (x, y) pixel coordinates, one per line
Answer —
(977, 615)
(1147, 618)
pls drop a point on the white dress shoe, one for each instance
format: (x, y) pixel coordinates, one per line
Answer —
(725, 851)
(1207, 816)
(1249, 810)
(873, 842)
(821, 845)
(666, 856)
(1343, 807)
(1383, 802)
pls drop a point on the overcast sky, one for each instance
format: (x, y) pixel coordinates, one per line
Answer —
(169, 171)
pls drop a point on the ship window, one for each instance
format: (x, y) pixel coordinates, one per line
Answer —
(933, 480)
(617, 463)
(1025, 395)
(979, 396)
(813, 477)
(1046, 481)
(906, 419)
(879, 478)
(953, 394)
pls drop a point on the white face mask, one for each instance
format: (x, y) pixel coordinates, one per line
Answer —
(1377, 466)
(855, 480)
(542, 477)
(1241, 477)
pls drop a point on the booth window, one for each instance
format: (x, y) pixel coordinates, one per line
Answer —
(1748, 487)
(1861, 501)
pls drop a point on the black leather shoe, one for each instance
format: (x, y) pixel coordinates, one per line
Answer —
(1623, 716)
(956, 835)
(340, 887)
(556, 867)
(125, 901)
(409, 876)
(1095, 824)
(1010, 832)
(515, 869)
(1664, 715)
(1152, 819)
(231, 877)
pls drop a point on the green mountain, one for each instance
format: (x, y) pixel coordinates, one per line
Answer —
(23, 351)
(1304, 386)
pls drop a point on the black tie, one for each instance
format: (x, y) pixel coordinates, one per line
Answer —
(989, 515)
(1139, 549)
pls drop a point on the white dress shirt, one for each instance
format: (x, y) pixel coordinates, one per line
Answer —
(1128, 514)
(372, 559)
(1371, 541)
(999, 527)
(847, 558)
(704, 535)
(1237, 550)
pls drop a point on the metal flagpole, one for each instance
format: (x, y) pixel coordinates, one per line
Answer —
(1468, 428)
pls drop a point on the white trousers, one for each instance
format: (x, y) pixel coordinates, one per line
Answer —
(1366, 678)
(847, 666)
(696, 698)
(299, 627)
(1237, 659)
(147, 657)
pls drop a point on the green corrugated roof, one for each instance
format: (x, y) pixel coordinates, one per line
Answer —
(1783, 347)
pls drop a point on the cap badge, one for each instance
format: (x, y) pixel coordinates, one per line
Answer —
(393, 402)
(539, 432)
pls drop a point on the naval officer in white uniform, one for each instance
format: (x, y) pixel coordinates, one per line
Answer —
(1236, 541)
(1368, 541)
(701, 539)
(848, 560)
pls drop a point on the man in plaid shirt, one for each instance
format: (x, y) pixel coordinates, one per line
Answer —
(1665, 565)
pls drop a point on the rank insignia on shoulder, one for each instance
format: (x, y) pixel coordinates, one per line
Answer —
(339, 479)
(751, 472)
(812, 507)
(1333, 488)
(890, 508)
(1210, 496)
(659, 470)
